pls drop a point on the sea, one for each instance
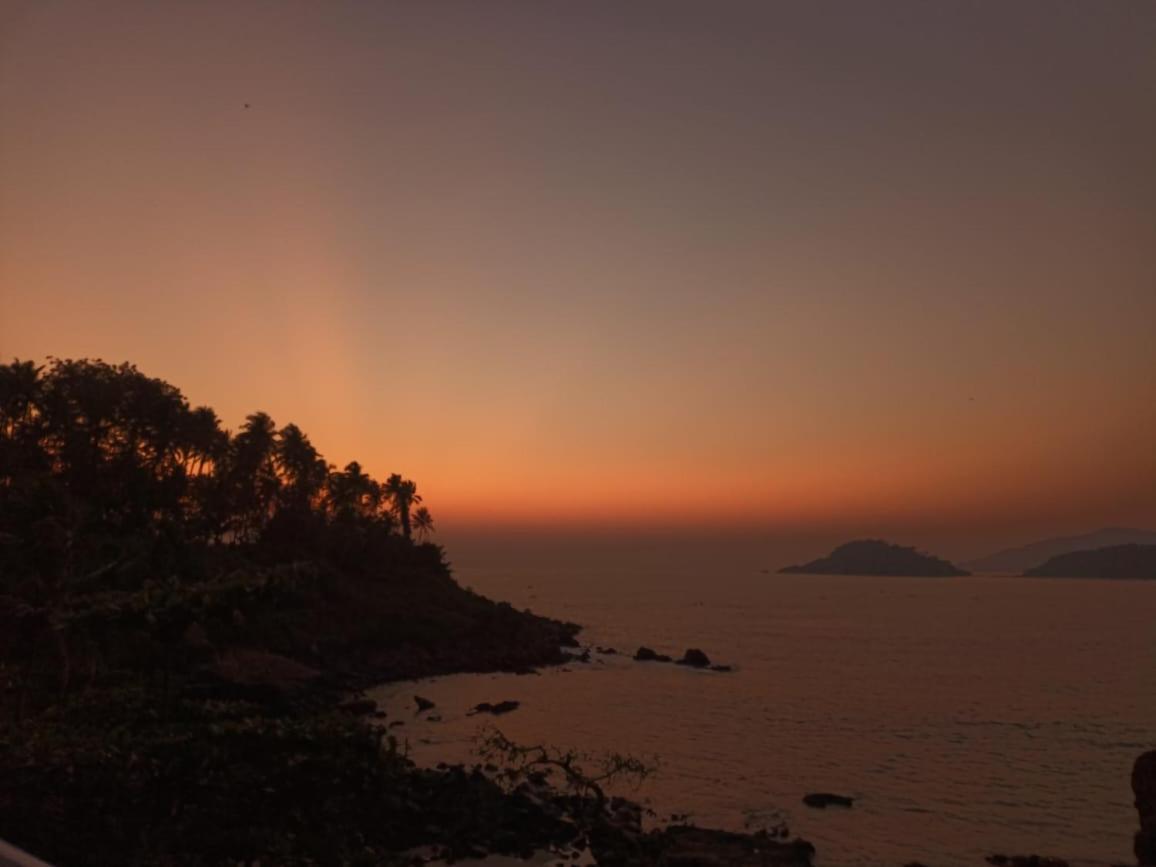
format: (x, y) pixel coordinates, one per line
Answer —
(965, 716)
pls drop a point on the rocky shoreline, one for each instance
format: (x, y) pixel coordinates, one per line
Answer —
(618, 837)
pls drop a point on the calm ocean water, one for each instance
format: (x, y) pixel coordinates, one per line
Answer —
(968, 715)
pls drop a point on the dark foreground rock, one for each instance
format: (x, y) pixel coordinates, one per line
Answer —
(692, 658)
(497, 709)
(647, 654)
(822, 800)
(1144, 788)
(360, 707)
(695, 658)
(1025, 861)
(688, 846)
(423, 704)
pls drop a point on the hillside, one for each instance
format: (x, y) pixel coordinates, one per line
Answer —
(1116, 561)
(183, 612)
(187, 617)
(1013, 561)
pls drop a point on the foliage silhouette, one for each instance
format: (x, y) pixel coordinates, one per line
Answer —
(182, 608)
(95, 457)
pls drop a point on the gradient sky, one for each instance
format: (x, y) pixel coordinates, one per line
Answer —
(882, 267)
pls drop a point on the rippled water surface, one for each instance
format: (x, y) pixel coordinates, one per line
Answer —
(968, 715)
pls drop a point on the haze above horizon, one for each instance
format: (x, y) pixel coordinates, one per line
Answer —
(816, 268)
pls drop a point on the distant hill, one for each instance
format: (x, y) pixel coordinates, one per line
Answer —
(876, 557)
(1018, 560)
(1115, 561)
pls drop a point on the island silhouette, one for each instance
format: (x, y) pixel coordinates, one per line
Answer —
(1014, 561)
(876, 557)
(1114, 561)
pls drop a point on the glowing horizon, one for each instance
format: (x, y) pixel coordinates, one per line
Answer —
(657, 266)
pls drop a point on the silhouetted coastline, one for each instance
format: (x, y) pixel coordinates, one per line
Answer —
(186, 618)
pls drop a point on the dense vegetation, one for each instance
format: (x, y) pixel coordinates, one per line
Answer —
(876, 557)
(182, 611)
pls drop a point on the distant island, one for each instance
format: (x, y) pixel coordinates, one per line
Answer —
(1014, 561)
(876, 557)
(1115, 561)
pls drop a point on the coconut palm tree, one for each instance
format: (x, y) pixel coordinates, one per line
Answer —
(353, 494)
(403, 494)
(423, 523)
(254, 474)
(302, 469)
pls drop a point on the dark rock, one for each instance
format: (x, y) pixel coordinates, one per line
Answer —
(606, 651)
(423, 704)
(359, 707)
(695, 657)
(626, 815)
(496, 709)
(1025, 861)
(822, 800)
(1144, 788)
(722, 668)
(197, 639)
(433, 717)
(689, 846)
(646, 654)
(269, 672)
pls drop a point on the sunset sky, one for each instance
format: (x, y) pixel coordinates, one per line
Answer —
(854, 268)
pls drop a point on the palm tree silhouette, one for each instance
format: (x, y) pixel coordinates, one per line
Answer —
(256, 483)
(302, 469)
(423, 523)
(403, 493)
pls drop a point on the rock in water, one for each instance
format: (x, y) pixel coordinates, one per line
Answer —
(822, 800)
(695, 657)
(1144, 787)
(496, 709)
(646, 654)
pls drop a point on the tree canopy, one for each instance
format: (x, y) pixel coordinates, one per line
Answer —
(100, 462)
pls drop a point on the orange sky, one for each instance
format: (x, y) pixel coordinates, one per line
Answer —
(791, 265)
